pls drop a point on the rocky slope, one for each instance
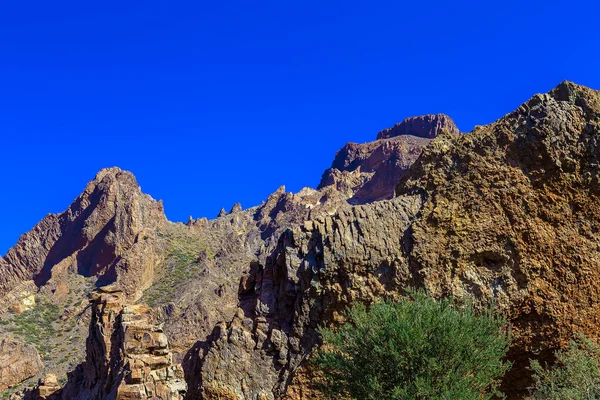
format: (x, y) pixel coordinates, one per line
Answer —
(98, 235)
(315, 271)
(105, 236)
(508, 211)
(114, 235)
(424, 126)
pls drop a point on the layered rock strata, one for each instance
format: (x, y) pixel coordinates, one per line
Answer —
(128, 355)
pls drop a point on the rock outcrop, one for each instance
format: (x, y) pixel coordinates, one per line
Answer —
(424, 126)
(316, 270)
(508, 212)
(512, 212)
(18, 361)
(106, 236)
(128, 355)
(47, 387)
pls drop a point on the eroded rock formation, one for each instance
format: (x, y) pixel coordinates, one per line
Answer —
(317, 269)
(98, 235)
(47, 387)
(512, 212)
(128, 355)
(506, 212)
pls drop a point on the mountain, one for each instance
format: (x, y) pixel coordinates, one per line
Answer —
(109, 299)
(370, 170)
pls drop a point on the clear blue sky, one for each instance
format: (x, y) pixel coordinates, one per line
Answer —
(211, 103)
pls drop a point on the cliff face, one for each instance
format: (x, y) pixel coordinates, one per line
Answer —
(511, 211)
(424, 126)
(106, 236)
(316, 270)
(508, 211)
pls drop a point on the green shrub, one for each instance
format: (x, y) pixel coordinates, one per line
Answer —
(414, 349)
(575, 376)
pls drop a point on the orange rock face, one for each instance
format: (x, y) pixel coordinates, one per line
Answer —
(47, 387)
(512, 212)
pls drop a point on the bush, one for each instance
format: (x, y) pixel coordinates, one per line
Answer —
(414, 349)
(575, 376)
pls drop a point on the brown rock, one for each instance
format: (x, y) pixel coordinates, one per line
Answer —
(297, 288)
(507, 212)
(18, 361)
(97, 235)
(511, 213)
(128, 355)
(47, 387)
(237, 207)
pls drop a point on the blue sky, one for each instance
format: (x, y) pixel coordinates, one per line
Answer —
(211, 103)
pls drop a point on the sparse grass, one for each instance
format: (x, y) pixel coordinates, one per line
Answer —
(179, 266)
(36, 326)
(60, 342)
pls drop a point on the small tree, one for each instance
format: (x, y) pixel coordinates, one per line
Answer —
(575, 376)
(414, 349)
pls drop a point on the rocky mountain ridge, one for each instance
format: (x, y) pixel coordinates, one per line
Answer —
(507, 212)
(369, 170)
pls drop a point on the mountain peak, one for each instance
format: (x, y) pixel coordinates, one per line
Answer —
(425, 126)
(108, 171)
(583, 96)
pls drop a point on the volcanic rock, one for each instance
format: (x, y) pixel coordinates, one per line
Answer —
(128, 355)
(369, 171)
(508, 212)
(47, 387)
(424, 126)
(98, 235)
(512, 212)
(18, 361)
(236, 208)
